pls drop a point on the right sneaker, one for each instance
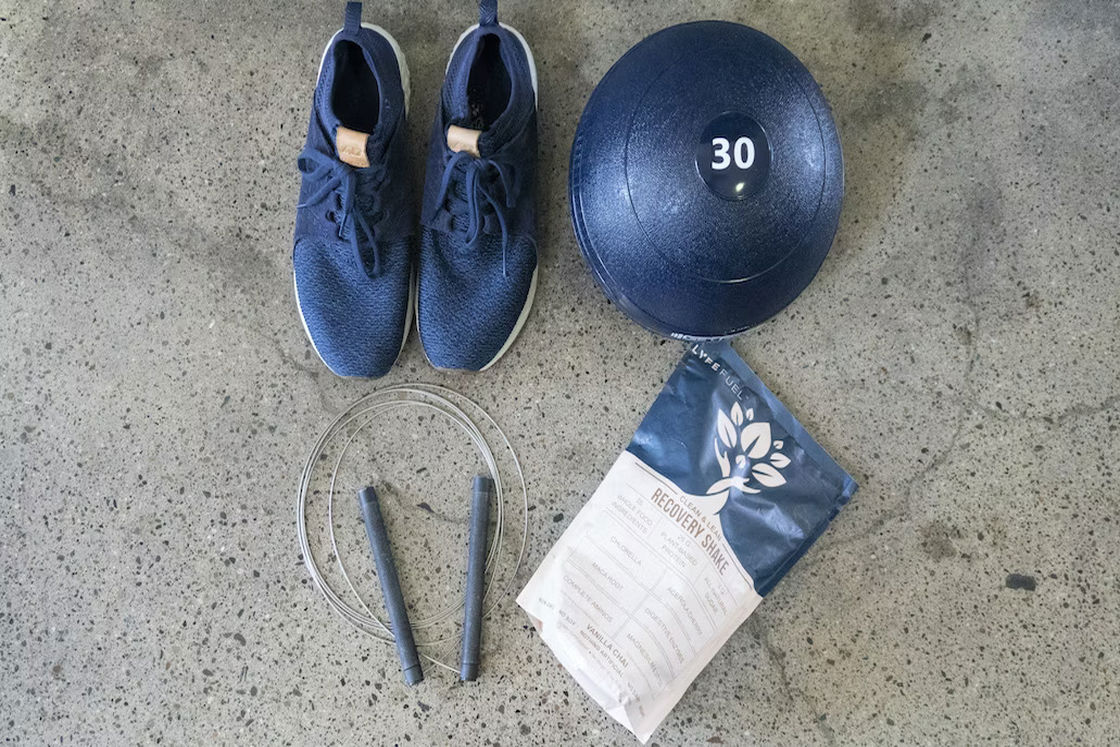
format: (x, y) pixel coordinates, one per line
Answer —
(477, 265)
(351, 259)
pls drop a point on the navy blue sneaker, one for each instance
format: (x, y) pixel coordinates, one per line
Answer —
(351, 259)
(478, 251)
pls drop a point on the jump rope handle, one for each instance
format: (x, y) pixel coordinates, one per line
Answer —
(482, 488)
(390, 586)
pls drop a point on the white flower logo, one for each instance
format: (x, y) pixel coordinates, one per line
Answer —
(748, 459)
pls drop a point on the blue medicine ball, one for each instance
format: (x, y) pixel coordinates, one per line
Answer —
(706, 180)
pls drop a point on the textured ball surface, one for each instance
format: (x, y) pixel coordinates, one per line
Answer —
(706, 179)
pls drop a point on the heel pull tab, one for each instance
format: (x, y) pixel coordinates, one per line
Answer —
(488, 13)
(353, 17)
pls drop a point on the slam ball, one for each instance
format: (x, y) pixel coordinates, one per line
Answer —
(706, 180)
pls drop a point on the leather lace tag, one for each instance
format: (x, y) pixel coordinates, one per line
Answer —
(462, 139)
(351, 146)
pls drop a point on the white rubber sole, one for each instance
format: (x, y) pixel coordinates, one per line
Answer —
(524, 315)
(406, 84)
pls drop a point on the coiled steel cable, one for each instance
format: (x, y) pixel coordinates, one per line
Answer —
(362, 414)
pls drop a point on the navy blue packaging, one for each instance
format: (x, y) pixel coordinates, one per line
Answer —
(717, 431)
(719, 493)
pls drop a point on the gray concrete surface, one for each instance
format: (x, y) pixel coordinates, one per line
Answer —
(958, 354)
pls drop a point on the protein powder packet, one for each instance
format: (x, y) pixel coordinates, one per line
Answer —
(718, 494)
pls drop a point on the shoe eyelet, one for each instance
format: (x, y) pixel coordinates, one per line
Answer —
(331, 216)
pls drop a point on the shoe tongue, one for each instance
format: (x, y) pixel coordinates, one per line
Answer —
(462, 139)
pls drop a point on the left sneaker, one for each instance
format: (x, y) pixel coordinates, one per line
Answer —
(352, 258)
(477, 267)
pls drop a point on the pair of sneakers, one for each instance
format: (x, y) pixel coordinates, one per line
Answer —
(358, 276)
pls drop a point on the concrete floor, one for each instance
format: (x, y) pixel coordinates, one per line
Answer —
(958, 354)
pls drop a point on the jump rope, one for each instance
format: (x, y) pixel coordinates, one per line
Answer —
(481, 598)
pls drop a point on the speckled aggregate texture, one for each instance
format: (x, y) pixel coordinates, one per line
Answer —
(958, 354)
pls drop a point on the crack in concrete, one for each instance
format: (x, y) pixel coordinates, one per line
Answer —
(1072, 413)
(938, 461)
(1079, 411)
(966, 403)
(777, 656)
(313, 373)
(397, 497)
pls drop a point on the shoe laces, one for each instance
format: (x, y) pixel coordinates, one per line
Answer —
(486, 186)
(342, 179)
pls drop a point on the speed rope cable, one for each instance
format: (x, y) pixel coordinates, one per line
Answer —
(366, 411)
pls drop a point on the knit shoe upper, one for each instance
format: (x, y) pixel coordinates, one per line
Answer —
(478, 253)
(354, 218)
